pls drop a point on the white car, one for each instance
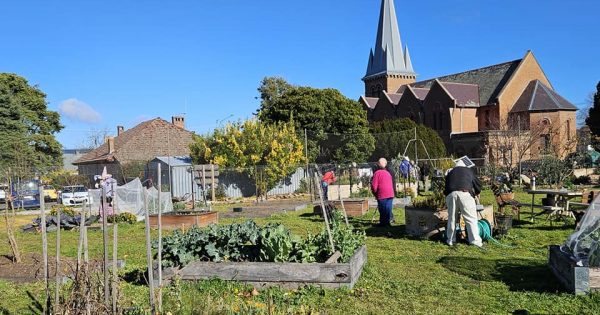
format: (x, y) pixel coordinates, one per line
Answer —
(73, 195)
(3, 191)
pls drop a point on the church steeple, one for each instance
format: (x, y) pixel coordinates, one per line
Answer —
(389, 66)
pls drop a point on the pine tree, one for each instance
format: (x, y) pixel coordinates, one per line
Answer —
(593, 119)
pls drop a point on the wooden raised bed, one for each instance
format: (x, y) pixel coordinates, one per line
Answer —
(576, 279)
(354, 207)
(286, 275)
(420, 222)
(185, 219)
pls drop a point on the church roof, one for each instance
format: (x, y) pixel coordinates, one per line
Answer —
(420, 92)
(490, 79)
(370, 102)
(538, 97)
(394, 97)
(388, 57)
(464, 94)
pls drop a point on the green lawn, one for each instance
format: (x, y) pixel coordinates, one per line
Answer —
(403, 275)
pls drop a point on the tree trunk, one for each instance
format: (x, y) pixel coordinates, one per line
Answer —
(16, 254)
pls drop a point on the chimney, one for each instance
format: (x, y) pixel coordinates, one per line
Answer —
(111, 144)
(120, 130)
(178, 121)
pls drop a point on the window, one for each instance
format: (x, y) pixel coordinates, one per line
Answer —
(435, 121)
(486, 118)
(441, 123)
(545, 140)
(569, 129)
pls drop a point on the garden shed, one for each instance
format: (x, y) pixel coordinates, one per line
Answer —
(177, 176)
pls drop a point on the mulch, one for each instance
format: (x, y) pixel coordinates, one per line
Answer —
(31, 268)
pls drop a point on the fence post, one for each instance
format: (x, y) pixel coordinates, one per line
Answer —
(212, 183)
(46, 305)
(159, 256)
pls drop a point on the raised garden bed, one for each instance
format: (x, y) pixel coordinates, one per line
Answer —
(185, 219)
(355, 207)
(284, 274)
(576, 279)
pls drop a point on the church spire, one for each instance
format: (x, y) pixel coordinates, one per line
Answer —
(388, 57)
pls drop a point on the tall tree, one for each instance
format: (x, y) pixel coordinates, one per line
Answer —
(27, 127)
(266, 152)
(392, 136)
(337, 126)
(271, 89)
(593, 119)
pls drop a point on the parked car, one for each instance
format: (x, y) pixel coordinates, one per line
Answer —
(26, 194)
(50, 194)
(3, 190)
(73, 195)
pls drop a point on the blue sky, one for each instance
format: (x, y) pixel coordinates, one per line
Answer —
(109, 63)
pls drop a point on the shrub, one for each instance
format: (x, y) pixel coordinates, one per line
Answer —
(582, 180)
(124, 217)
(64, 210)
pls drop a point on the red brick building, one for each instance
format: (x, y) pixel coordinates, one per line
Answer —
(476, 112)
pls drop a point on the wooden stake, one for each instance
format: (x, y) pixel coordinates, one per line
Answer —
(324, 212)
(149, 255)
(212, 182)
(105, 248)
(115, 277)
(159, 182)
(57, 273)
(46, 305)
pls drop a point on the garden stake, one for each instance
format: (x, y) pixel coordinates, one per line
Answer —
(159, 182)
(115, 250)
(46, 305)
(342, 204)
(324, 213)
(105, 248)
(81, 227)
(149, 254)
(57, 270)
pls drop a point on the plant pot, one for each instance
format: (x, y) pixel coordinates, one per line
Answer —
(503, 223)
(237, 209)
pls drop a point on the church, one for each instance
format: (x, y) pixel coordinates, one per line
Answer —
(500, 113)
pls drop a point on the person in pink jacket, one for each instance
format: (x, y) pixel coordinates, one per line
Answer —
(383, 189)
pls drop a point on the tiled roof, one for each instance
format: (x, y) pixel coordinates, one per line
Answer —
(464, 94)
(143, 142)
(420, 92)
(490, 79)
(371, 102)
(538, 97)
(394, 97)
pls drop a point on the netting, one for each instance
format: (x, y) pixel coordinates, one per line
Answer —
(130, 198)
(584, 244)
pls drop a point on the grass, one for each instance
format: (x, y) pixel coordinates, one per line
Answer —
(403, 275)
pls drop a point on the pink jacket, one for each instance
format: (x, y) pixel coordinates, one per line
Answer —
(382, 185)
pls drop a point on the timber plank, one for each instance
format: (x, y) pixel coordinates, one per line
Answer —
(286, 275)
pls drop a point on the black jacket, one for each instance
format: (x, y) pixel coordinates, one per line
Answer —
(462, 179)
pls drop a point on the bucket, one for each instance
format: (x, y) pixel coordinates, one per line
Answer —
(503, 224)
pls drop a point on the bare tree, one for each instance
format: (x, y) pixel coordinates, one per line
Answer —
(95, 138)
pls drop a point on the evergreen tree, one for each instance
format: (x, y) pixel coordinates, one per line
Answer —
(593, 119)
(27, 128)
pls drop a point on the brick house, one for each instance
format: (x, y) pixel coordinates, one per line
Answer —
(481, 113)
(127, 154)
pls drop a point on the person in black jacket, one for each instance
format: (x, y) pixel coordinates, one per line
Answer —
(461, 188)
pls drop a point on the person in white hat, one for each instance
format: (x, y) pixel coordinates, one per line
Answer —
(461, 188)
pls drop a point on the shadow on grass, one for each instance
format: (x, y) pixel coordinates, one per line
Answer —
(517, 274)
(136, 277)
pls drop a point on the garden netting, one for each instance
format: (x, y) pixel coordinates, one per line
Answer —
(130, 198)
(584, 244)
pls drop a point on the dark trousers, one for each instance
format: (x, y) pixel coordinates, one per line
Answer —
(385, 210)
(325, 190)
